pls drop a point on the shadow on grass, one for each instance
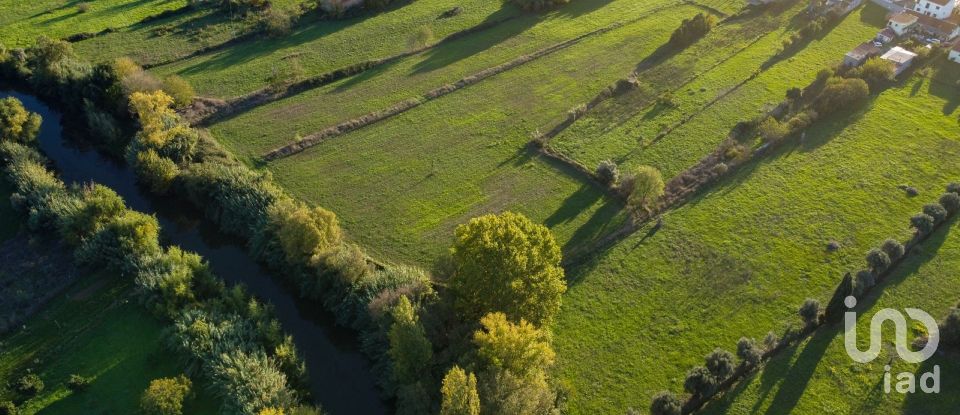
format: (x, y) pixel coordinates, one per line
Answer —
(790, 373)
(446, 54)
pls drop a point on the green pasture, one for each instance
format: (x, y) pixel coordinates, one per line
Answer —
(819, 377)
(22, 21)
(95, 329)
(739, 259)
(627, 133)
(401, 186)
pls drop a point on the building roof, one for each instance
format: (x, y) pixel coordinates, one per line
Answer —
(888, 32)
(933, 24)
(865, 50)
(903, 18)
(899, 56)
(941, 2)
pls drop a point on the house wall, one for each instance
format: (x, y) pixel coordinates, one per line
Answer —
(930, 8)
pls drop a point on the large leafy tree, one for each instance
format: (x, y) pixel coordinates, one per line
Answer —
(16, 123)
(165, 396)
(647, 188)
(520, 348)
(410, 350)
(509, 264)
(459, 392)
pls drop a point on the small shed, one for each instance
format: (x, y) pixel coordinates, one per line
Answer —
(860, 54)
(886, 35)
(901, 58)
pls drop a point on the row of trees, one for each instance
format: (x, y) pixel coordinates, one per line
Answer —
(702, 381)
(691, 30)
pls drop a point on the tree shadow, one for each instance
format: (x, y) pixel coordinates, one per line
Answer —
(456, 50)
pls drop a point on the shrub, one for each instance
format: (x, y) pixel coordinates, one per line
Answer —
(165, 396)
(748, 352)
(16, 123)
(647, 187)
(878, 260)
(691, 30)
(178, 89)
(509, 264)
(249, 382)
(158, 173)
(699, 382)
(421, 38)
(277, 21)
(923, 223)
(950, 328)
(876, 72)
(809, 311)
(842, 94)
(410, 351)
(937, 212)
(665, 403)
(521, 348)
(893, 248)
(953, 188)
(123, 244)
(608, 172)
(8, 408)
(29, 385)
(720, 363)
(950, 202)
(771, 130)
(304, 233)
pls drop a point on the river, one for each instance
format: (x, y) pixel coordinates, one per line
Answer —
(340, 376)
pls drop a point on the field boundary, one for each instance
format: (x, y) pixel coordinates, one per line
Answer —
(207, 111)
(411, 103)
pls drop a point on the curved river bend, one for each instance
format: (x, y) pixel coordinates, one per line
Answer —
(340, 376)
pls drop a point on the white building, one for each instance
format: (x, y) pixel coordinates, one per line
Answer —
(955, 53)
(901, 59)
(940, 9)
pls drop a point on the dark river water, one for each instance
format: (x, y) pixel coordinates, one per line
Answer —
(340, 376)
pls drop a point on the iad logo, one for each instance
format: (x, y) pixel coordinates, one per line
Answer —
(906, 381)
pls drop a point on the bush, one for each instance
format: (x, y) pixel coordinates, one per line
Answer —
(878, 260)
(876, 72)
(691, 30)
(665, 403)
(893, 248)
(937, 212)
(809, 311)
(78, 383)
(8, 408)
(304, 233)
(277, 21)
(608, 172)
(748, 352)
(950, 202)
(83, 7)
(158, 173)
(29, 385)
(950, 329)
(865, 281)
(165, 396)
(178, 89)
(771, 130)
(421, 38)
(720, 363)
(842, 94)
(16, 123)
(699, 382)
(953, 188)
(647, 186)
(923, 223)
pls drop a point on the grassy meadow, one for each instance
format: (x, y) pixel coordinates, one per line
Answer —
(739, 259)
(627, 134)
(818, 376)
(23, 21)
(95, 329)
(465, 154)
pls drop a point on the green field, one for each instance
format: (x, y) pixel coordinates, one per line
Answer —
(739, 260)
(462, 155)
(23, 21)
(631, 140)
(95, 329)
(818, 377)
